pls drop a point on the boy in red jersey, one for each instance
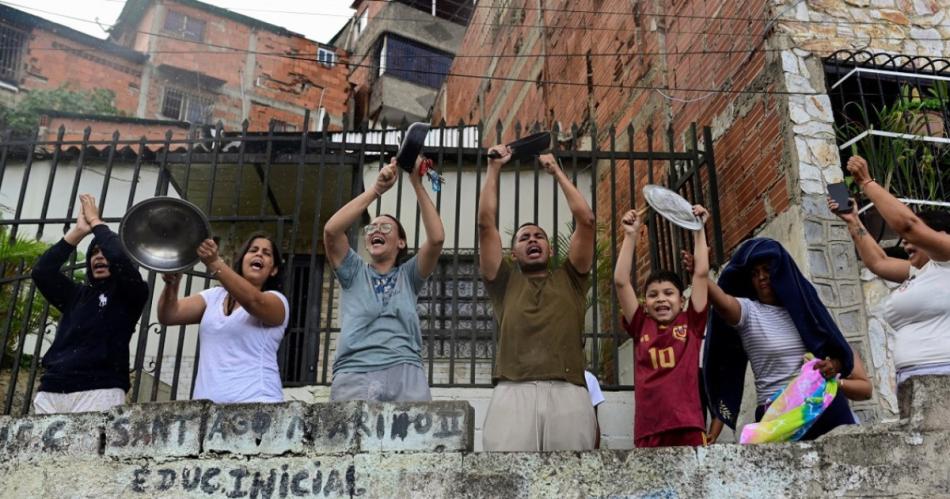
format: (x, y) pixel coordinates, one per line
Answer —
(667, 339)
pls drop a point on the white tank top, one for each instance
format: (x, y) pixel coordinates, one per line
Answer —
(919, 312)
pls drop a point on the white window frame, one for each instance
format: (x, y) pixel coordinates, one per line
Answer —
(188, 99)
(326, 57)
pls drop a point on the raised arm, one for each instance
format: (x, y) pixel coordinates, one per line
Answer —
(489, 240)
(727, 306)
(175, 312)
(334, 232)
(699, 296)
(56, 287)
(120, 265)
(626, 295)
(874, 258)
(266, 307)
(898, 216)
(429, 250)
(581, 252)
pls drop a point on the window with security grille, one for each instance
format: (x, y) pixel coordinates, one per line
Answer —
(180, 105)
(184, 26)
(282, 126)
(454, 304)
(414, 62)
(12, 41)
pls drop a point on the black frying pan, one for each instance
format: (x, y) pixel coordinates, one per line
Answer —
(527, 147)
(411, 146)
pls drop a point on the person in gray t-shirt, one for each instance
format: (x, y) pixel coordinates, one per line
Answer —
(379, 352)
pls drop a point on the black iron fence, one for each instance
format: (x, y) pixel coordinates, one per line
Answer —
(289, 184)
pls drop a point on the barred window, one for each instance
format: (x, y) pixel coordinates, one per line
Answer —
(180, 105)
(414, 62)
(184, 26)
(282, 126)
(454, 298)
(12, 41)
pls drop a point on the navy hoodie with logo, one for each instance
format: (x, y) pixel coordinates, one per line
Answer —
(91, 347)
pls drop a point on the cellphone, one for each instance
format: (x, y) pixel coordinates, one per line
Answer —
(839, 193)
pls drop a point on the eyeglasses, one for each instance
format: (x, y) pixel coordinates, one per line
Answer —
(383, 228)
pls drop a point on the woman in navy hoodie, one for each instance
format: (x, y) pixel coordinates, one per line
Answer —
(87, 367)
(765, 312)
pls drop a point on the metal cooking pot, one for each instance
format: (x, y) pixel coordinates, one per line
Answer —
(163, 233)
(527, 147)
(411, 146)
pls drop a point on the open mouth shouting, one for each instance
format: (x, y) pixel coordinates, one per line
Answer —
(99, 266)
(377, 241)
(257, 264)
(534, 251)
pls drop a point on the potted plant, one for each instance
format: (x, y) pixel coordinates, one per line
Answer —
(908, 167)
(919, 115)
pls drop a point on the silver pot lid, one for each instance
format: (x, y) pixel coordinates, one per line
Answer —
(671, 206)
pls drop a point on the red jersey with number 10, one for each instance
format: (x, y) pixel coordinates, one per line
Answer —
(666, 372)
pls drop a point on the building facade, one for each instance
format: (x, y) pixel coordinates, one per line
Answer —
(766, 76)
(180, 61)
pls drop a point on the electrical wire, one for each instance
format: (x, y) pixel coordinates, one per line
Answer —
(449, 74)
(587, 27)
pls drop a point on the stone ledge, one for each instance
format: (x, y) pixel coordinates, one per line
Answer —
(202, 429)
(924, 402)
(877, 462)
(52, 435)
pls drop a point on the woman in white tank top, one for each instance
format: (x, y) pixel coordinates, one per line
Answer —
(919, 310)
(242, 322)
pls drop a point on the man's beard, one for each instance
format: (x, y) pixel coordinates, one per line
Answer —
(532, 267)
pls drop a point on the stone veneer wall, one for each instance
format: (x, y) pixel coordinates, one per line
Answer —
(806, 32)
(197, 449)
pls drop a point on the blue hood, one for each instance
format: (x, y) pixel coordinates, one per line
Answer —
(725, 360)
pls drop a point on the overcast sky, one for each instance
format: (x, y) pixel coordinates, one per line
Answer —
(316, 19)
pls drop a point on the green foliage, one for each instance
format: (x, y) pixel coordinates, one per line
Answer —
(13, 252)
(24, 116)
(906, 166)
(911, 100)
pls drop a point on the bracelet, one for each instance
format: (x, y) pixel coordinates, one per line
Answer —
(866, 182)
(214, 273)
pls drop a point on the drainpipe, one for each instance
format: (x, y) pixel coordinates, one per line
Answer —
(323, 90)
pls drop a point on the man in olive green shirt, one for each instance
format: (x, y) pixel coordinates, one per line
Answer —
(540, 401)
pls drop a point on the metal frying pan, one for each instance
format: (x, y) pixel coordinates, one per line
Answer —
(527, 147)
(163, 233)
(411, 146)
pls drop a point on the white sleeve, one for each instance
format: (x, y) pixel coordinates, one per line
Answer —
(593, 388)
(745, 305)
(283, 300)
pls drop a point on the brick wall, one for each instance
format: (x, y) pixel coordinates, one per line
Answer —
(617, 90)
(269, 76)
(52, 60)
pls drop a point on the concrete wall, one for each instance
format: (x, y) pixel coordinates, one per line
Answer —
(615, 415)
(196, 449)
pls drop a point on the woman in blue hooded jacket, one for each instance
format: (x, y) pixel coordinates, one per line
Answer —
(765, 312)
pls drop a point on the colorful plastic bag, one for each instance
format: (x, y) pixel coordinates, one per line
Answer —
(795, 409)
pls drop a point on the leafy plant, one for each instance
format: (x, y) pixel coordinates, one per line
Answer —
(15, 312)
(911, 100)
(904, 165)
(24, 116)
